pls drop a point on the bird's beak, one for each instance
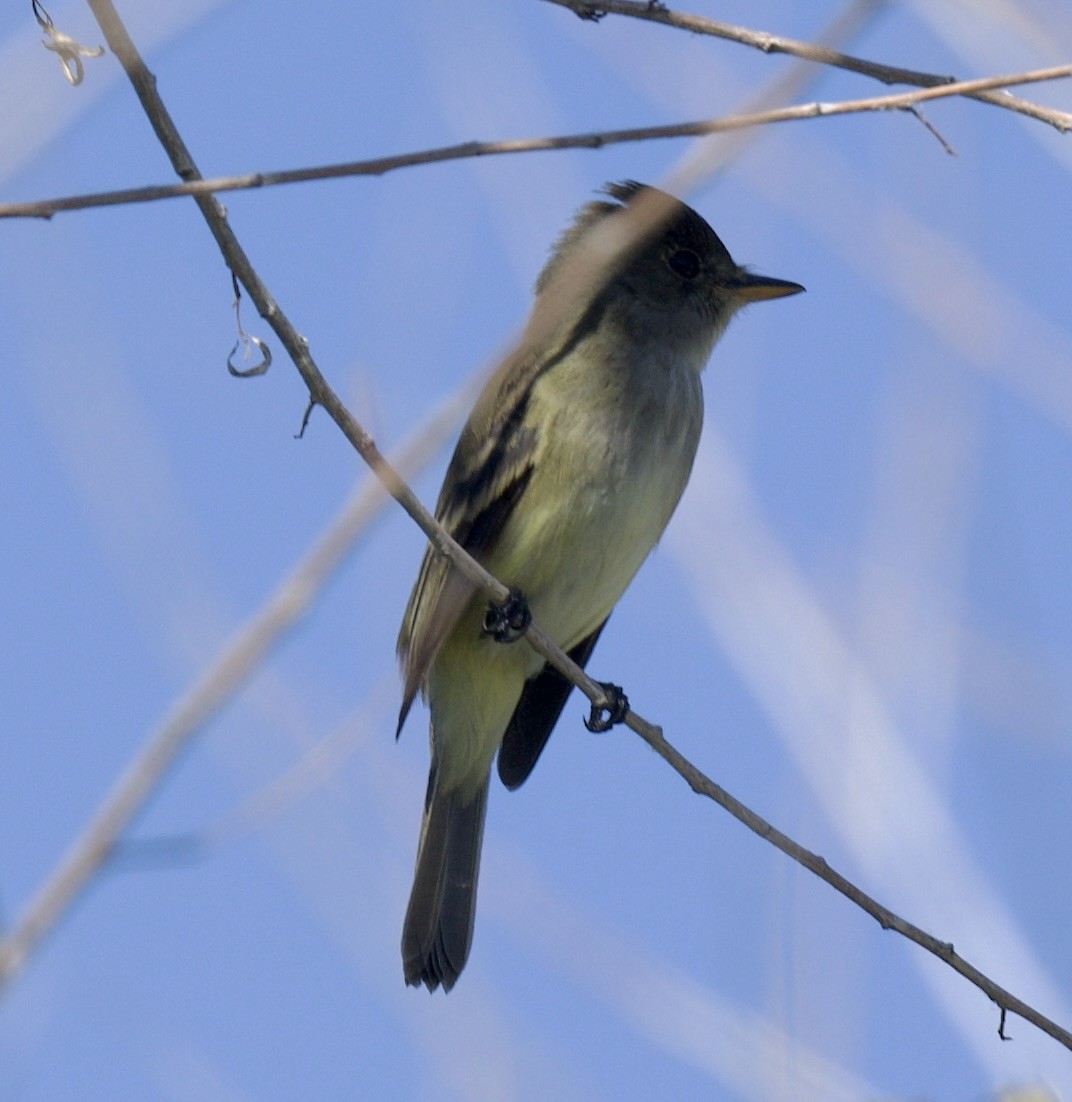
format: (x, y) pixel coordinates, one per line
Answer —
(756, 288)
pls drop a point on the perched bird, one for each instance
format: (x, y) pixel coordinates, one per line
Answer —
(564, 477)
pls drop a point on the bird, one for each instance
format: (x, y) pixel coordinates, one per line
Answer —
(563, 479)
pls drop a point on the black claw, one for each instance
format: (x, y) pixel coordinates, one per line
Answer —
(506, 623)
(603, 718)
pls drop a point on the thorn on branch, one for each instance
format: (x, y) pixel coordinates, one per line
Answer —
(301, 433)
(604, 716)
(507, 622)
(929, 126)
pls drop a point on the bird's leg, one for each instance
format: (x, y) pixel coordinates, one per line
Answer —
(506, 623)
(604, 716)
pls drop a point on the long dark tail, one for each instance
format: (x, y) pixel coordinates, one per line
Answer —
(438, 929)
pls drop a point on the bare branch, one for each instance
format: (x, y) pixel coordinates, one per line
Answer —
(588, 272)
(200, 189)
(932, 130)
(807, 51)
(943, 950)
(268, 803)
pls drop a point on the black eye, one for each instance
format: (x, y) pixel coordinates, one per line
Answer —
(685, 262)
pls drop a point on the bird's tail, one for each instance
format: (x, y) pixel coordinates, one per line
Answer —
(438, 929)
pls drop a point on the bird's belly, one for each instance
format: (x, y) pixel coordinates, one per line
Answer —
(572, 554)
(584, 542)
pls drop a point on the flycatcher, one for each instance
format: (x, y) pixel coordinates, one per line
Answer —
(564, 477)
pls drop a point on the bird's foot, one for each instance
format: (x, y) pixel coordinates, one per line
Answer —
(605, 716)
(506, 623)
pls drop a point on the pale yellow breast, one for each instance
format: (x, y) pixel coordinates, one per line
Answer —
(602, 491)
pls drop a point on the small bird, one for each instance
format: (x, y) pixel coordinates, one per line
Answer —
(571, 463)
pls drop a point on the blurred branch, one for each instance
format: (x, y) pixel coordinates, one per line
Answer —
(240, 659)
(95, 843)
(318, 765)
(201, 189)
(806, 51)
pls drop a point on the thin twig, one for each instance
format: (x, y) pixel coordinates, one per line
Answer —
(932, 130)
(807, 51)
(200, 189)
(268, 803)
(144, 84)
(702, 785)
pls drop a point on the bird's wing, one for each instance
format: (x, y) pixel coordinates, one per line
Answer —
(486, 478)
(536, 714)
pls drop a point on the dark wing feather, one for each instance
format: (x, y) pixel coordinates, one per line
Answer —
(536, 714)
(487, 475)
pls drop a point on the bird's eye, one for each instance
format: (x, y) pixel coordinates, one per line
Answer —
(685, 262)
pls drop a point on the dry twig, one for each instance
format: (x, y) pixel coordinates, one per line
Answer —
(808, 51)
(199, 188)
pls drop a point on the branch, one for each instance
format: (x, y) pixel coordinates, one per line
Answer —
(702, 785)
(201, 189)
(322, 394)
(807, 51)
(266, 804)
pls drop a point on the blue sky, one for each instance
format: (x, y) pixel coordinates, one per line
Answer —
(859, 621)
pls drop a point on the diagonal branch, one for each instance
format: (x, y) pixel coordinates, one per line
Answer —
(201, 189)
(702, 785)
(322, 394)
(807, 51)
